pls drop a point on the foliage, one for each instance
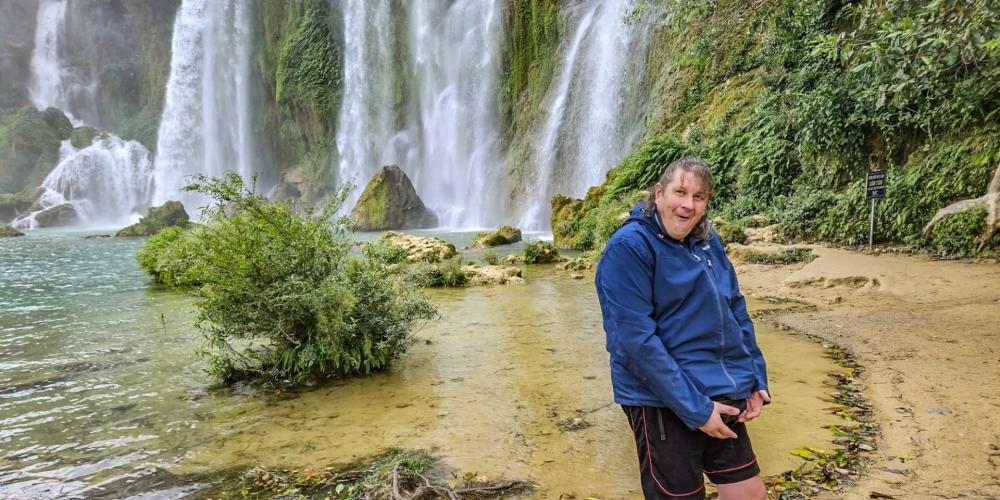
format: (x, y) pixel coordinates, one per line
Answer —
(169, 214)
(446, 273)
(9, 232)
(790, 256)
(540, 252)
(172, 257)
(645, 165)
(530, 53)
(309, 68)
(731, 232)
(489, 258)
(281, 299)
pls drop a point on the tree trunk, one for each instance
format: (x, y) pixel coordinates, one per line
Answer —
(991, 200)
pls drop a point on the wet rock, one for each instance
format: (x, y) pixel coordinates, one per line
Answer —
(512, 259)
(389, 202)
(506, 235)
(96, 236)
(157, 219)
(578, 264)
(29, 146)
(421, 249)
(57, 216)
(9, 232)
(493, 275)
(576, 276)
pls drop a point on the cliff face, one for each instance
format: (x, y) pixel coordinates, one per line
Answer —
(17, 32)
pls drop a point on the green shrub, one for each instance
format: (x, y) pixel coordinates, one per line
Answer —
(448, 273)
(731, 232)
(382, 251)
(172, 257)
(281, 299)
(540, 252)
(490, 258)
(643, 168)
(955, 235)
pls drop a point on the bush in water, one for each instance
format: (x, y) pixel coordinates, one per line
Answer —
(281, 297)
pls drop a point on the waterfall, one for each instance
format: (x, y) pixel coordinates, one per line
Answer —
(52, 83)
(539, 203)
(366, 114)
(206, 126)
(591, 122)
(455, 132)
(448, 140)
(105, 182)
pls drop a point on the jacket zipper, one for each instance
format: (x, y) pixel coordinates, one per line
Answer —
(722, 320)
(659, 417)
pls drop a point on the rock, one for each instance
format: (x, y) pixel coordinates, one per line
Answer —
(836, 299)
(12, 205)
(541, 252)
(493, 275)
(389, 202)
(96, 236)
(82, 137)
(506, 235)
(58, 122)
(512, 259)
(57, 216)
(576, 276)
(157, 219)
(564, 210)
(9, 232)
(578, 264)
(421, 249)
(730, 232)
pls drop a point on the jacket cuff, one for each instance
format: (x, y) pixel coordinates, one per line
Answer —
(701, 416)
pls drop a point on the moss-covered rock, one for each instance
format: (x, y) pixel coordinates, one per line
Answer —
(157, 219)
(57, 216)
(578, 264)
(29, 146)
(420, 249)
(17, 25)
(506, 235)
(730, 232)
(511, 260)
(9, 232)
(541, 252)
(390, 202)
(83, 137)
(12, 205)
(565, 211)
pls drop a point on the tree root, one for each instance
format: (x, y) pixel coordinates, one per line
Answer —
(432, 491)
(991, 200)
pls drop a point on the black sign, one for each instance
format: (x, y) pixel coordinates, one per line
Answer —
(875, 187)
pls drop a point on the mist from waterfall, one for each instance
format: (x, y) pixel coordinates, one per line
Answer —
(206, 126)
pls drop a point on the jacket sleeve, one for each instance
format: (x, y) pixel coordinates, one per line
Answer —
(739, 308)
(627, 285)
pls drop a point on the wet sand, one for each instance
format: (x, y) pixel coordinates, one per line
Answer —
(928, 332)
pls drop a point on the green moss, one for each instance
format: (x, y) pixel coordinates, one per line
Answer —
(83, 137)
(374, 201)
(9, 232)
(157, 219)
(790, 256)
(506, 235)
(29, 146)
(309, 71)
(731, 232)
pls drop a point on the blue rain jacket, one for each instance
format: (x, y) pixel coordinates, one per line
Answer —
(677, 325)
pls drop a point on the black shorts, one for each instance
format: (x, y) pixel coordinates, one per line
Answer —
(672, 458)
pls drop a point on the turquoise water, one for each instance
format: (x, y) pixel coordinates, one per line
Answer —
(102, 394)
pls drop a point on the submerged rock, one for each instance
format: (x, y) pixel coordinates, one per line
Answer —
(578, 264)
(9, 232)
(96, 236)
(157, 219)
(493, 275)
(57, 216)
(421, 249)
(506, 235)
(389, 202)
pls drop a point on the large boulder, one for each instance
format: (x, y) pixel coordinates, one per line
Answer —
(82, 137)
(421, 249)
(157, 219)
(57, 216)
(9, 232)
(506, 235)
(389, 202)
(493, 275)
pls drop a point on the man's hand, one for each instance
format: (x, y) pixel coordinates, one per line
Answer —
(754, 405)
(715, 427)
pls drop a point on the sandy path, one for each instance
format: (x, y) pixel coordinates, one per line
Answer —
(929, 334)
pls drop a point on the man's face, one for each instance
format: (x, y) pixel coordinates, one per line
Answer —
(681, 204)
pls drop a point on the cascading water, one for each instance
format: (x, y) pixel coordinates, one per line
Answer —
(448, 145)
(206, 126)
(589, 127)
(52, 84)
(104, 181)
(365, 116)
